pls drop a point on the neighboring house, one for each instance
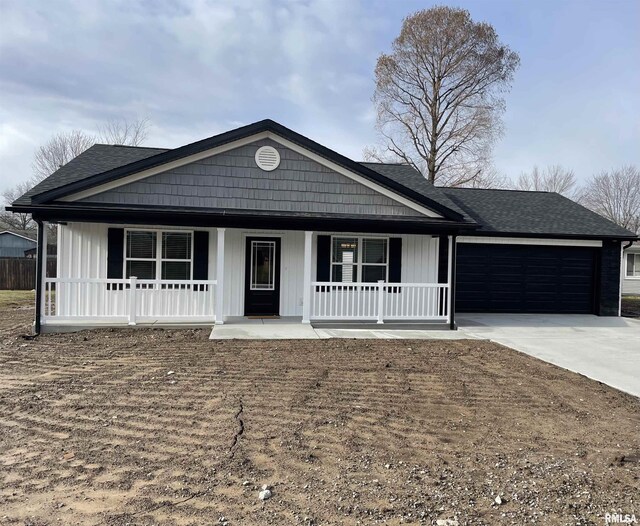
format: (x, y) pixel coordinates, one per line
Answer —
(264, 221)
(14, 244)
(631, 270)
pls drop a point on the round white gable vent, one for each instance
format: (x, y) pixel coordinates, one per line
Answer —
(267, 158)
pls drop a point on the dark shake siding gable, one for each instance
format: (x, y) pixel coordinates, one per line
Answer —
(232, 180)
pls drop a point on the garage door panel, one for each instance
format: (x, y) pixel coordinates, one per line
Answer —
(520, 278)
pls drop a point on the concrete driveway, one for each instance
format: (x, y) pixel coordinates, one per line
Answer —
(602, 348)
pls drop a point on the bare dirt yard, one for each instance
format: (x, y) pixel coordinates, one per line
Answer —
(631, 306)
(164, 427)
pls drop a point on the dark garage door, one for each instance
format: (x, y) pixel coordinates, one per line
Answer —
(519, 278)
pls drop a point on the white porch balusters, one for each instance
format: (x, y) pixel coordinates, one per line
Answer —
(306, 294)
(219, 310)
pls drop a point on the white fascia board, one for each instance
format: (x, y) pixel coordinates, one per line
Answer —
(242, 142)
(529, 241)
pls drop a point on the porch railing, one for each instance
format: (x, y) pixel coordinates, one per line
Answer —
(379, 301)
(128, 300)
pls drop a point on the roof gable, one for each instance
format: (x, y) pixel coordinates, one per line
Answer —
(63, 186)
(16, 234)
(232, 180)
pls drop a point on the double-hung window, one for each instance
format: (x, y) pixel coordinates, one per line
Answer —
(359, 259)
(152, 254)
(633, 266)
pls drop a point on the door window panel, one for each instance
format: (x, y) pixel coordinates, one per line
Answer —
(263, 265)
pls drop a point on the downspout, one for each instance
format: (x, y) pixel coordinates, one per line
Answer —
(452, 323)
(39, 260)
(622, 267)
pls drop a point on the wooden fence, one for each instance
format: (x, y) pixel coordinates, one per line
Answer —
(20, 273)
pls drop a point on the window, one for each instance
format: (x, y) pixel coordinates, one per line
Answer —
(633, 266)
(140, 257)
(165, 255)
(263, 268)
(355, 259)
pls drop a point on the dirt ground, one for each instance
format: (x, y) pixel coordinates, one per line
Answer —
(631, 306)
(164, 427)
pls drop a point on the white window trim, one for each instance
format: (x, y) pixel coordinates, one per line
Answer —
(360, 263)
(158, 259)
(636, 256)
(273, 266)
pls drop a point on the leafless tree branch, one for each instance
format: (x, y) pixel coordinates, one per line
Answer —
(553, 178)
(439, 94)
(615, 194)
(124, 132)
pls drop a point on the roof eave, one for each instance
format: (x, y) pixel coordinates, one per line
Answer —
(552, 235)
(241, 218)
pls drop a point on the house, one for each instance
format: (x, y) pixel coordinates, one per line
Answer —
(262, 221)
(631, 270)
(15, 244)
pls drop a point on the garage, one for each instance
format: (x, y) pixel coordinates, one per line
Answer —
(526, 278)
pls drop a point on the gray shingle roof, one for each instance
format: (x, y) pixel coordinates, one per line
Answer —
(498, 211)
(408, 176)
(97, 159)
(515, 211)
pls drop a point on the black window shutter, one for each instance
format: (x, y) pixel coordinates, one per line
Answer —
(115, 253)
(323, 258)
(443, 259)
(201, 255)
(395, 260)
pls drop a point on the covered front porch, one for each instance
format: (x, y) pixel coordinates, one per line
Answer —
(189, 275)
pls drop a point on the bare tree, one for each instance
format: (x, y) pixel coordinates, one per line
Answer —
(124, 132)
(19, 221)
(58, 151)
(553, 178)
(439, 94)
(489, 177)
(615, 195)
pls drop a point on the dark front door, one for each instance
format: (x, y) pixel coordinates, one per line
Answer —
(262, 277)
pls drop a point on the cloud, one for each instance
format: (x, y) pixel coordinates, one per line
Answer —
(199, 67)
(194, 68)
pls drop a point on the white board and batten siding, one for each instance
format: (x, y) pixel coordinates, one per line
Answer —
(82, 253)
(82, 248)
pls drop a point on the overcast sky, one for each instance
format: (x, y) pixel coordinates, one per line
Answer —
(198, 68)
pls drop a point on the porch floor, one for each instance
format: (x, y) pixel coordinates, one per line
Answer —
(292, 328)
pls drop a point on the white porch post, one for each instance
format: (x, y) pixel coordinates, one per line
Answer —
(306, 279)
(133, 307)
(381, 299)
(220, 278)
